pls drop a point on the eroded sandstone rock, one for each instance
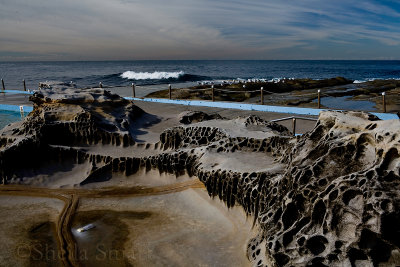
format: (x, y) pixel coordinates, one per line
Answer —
(188, 117)
(334, 203)
(66, 117)
(327, 198)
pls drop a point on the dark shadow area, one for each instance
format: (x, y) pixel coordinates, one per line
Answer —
(141, 124)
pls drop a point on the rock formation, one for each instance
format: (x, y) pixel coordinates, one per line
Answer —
(196, 116)
(62, 119)
(327, 198)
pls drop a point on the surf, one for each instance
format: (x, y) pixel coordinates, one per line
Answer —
(156, 75)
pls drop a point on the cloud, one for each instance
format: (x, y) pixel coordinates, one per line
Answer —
(193, 29)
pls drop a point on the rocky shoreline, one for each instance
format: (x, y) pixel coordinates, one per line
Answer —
(295, 92)
(326, 198)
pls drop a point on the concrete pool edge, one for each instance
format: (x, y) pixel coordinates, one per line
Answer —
(252, 107)
(230, 105)
(16, 92)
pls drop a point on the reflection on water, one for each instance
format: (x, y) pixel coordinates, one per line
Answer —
(346, 104)
(7, 117)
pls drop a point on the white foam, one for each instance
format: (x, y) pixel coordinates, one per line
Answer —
(157, 75)
(273, 80)
(359, 81)
(366, 80)
(373, 79)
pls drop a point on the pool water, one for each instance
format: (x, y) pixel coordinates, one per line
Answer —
(344, 103)
(7, 117)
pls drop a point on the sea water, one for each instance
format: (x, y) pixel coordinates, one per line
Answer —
(153, 73)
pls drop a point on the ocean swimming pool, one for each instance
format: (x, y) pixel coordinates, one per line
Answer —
(345, 103)
(7, 117)
(12, 113)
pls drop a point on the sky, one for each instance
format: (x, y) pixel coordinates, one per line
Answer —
(199, 29)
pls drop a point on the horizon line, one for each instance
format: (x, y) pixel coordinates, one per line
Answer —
(127, 60)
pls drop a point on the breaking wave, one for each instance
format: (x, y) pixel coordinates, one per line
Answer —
(157, 75)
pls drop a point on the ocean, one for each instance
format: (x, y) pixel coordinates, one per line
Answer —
(150, 76)
(180, 73)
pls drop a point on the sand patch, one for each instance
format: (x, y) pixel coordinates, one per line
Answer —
(27, 230)
(178, 229)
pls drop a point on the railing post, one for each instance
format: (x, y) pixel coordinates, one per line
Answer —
(24, 85)
(133, 90)
(262, 95)
(294, 126)
(100, 85)
(170, 91)
(319, 98)
(384, 102)
(2, 84)
(212, 93)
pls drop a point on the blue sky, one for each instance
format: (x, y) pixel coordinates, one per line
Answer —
(198, 29)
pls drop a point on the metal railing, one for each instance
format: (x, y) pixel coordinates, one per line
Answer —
(213, 90)
(294, 118)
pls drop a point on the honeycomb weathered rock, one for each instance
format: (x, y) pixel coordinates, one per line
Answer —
(327, 198)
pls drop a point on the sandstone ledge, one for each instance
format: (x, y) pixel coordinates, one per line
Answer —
(327, 198)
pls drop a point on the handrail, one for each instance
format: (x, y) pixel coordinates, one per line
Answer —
(213, 90)
(300, 118)
(294, 118)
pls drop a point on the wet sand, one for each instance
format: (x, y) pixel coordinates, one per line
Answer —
(28, 230)
(171, 227)
(176, 229)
